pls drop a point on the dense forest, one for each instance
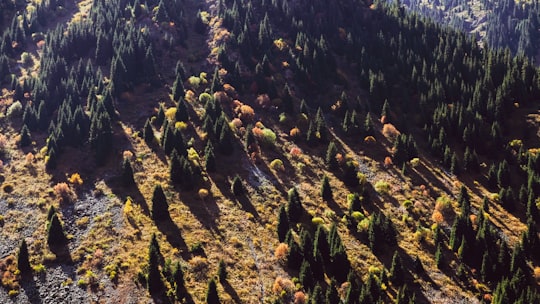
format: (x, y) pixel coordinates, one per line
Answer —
(498, 24)
(242, 151)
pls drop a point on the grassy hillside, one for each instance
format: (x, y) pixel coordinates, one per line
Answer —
(262, 152)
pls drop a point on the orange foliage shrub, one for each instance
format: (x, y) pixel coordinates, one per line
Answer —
(390, 132)
(295, 132)
(295, 152)
(127, 155)
(473, 218)
(537, 273)
(29, 158)
(283, 286)
(230, 90)
(437, 217)
(370, 140)
(63, 192)
(221, 97)
(388, 162)
(383, 119)
(299, 297)
(281, 252)
(264, 101)
(247, 113)
(190, 96)
(237, 123)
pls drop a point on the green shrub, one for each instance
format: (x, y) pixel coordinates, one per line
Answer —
(358, 216)
(15, 109)
(268, 137)
(316, 221)
(277, 165)
(382, 187)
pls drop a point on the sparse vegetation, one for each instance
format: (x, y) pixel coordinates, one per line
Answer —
(392, 133)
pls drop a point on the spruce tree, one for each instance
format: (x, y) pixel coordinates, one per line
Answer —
(55, 232)
(397, 273)
(160, 207)
(181, 111)
(237, 188)
(330, 159)
(317, 295)
(332, 295)
(355, 202)
(439, 256)
(226, 144)
(222, 271)
(127, 173)
(178, 278)
(283, 224)
(294, 206)
(148, 133)
(210, 158)
(350, 174)
(154, 282)
(26, 140)
(306, 275)
(23, 259)
(464, 201)
(212, 296)
(176, 172)
(326, 189)
(160, 117)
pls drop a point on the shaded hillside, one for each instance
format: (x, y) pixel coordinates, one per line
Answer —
(279, 151)
(497, 24)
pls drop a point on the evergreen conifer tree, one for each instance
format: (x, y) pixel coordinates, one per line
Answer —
(326, 189)
(160, 207)
(127, 173)
(23, 259)
(212, 296)
(55, 232)
(283, 224)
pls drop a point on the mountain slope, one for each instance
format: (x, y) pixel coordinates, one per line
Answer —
(262, 151)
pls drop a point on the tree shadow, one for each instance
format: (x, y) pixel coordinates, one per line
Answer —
(123, 192)
(173, 235)
(205, 211)
(62, 253)
(231, 291)
(334, 206)
(408, 264)
(28, 284)
(246, 204)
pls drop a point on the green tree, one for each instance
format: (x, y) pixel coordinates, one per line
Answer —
(294, 206)
(210, 158)
(330, 159)
(154, 282)
(397, 273)
(26, 139)
(306, 275)
(148, 133)
(127, 173)
(283, 224)
(160, 207)
(237, 188)
(178, 278)
(55, 232)
(326, 189)
(439, 256)
(23, 260)
(212, 296)
(222, 271)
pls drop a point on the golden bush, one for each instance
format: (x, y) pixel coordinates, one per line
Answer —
(389, 131)
(281, 252)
